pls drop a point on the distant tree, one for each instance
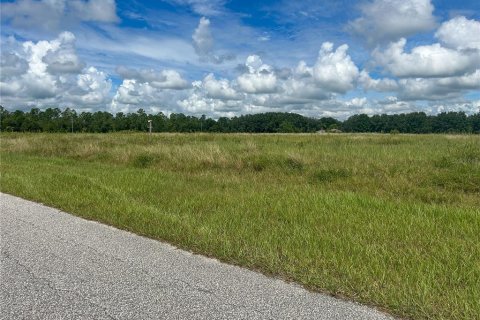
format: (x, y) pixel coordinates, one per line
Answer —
(4, 114)
(120, 122)
(474, 122)
(452, 122)
(56, 120)
(358, 123)
(326, 123)
(286, 127)
(160, 122)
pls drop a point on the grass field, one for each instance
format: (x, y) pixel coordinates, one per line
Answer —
(387, 220)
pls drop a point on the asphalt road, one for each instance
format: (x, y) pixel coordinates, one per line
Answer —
(57, 266)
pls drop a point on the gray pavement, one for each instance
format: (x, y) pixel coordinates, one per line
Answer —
(57, 266)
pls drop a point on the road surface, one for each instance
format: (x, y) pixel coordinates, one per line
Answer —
(57, 266)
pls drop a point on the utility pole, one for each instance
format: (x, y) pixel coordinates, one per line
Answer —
(150, 130)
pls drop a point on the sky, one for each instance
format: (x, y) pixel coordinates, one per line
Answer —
(318, 58)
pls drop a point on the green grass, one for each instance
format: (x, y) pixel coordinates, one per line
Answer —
(387, 220)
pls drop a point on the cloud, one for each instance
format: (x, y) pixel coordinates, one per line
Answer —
(132, 95)
(460, 33)
(28, 13)
(381, 85)
(12, 65)
(62, 58)
(432, 72)
(138, 46)
(357, 102)
(93, 88)
(423, 89)
(219, 89)
(203, 44)
(426, 61)
(464, 82)
(215, 97)
(395, 105)
(342, 109)
(50, 73)
(38, 83)
(9, 89)
(54, 14)
(170, 79)
(300, 87)
(95, 10)
(203, 7)
(131, 92)
(389, 20)
(438, 88)
(164, 79)
(303, 70)
(259, 78)
(301, 91)
(202, 38)
(263, 88)
(334, 70)
(469, 107)
(392, 105)
(198, 104)
(292, 11)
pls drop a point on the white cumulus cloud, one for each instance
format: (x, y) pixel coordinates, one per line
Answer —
(50, 73)
(132, 95)
(460, 33)
(164, 79)
(260, 77)
(335, 70)
(426, 61)
(11, 65)
(93, 88)
(198, 104)
(388, 20)
(62, 58)
(438, 88)
(219, 89)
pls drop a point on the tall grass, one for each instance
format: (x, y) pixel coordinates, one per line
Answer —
(388, 220)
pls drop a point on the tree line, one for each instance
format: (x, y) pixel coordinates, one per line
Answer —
(68, 120)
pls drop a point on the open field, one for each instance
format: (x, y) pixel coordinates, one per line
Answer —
(388, 220)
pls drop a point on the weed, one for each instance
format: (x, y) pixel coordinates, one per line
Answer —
(330, 175)
(293, 162)
(144, 160)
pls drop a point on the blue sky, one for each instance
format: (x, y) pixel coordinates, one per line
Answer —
(225, 58)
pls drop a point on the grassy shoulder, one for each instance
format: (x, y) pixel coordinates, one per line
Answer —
(391, 221)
